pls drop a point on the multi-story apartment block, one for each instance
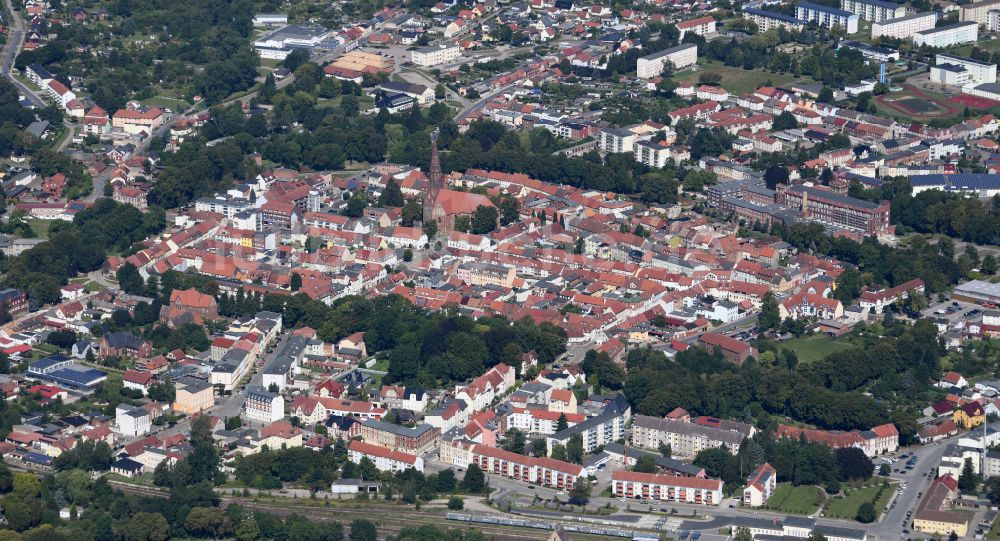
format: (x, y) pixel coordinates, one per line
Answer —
(434, 55)
(666, 488)
(949, 35)
(685, 439)
(385, 459)
(972, 71)
(540, 421)
(542, 471)
(904, 27)
(839, 211)
(760, 486)
(416, 440)
(874, 10)
(701, 26)
(617, 140)
(476, 273)
(263, 406)
(651, 154)
(978, 12)
(679, 57)
(827, 16)
(769, 20)
(599, 430)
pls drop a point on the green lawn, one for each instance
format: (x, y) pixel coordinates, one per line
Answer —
(737, 80)
(846, 505)
(816, 347)
(41, 227)
(801, 500)
(164, 101)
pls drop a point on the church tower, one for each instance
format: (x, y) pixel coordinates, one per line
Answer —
(436, 181)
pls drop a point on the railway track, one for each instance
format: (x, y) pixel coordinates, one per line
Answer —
(388, 521)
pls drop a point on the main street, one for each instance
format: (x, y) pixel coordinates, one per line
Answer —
(15, 40)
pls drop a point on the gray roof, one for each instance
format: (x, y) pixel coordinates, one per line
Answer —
(688, 429)
(670, 51)
(414, 432)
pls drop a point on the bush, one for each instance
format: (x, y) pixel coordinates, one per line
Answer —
(455, 503)
(866, 513)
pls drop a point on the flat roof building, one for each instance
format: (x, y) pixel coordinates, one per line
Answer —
(679, 57)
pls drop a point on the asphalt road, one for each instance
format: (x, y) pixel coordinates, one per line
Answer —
(14, 41)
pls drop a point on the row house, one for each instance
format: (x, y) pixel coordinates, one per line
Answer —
(811, 305)
(666, 488)
(543, 471)
(876, 298)
(685, 439)
(481, 392)
(540, 421)
(417, 440)
(385, 459)
(881, 439)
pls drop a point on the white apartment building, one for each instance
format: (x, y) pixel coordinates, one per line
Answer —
(978, 12)
(904, 27)
(435, 54)
(947, 36)
(977, 72)
(263, 406)
(132, 422)
(701, 26)
(769, 20)
(651, 154)
(679, 57)
(993, 20)
(827, 16)
(617, 140)
(874, 10)
(385, 459)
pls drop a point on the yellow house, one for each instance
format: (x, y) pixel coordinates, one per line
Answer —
(969, 415)
(933, 514)
(193, 396)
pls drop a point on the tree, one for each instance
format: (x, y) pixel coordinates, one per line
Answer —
(206, 522)
(446, 480)
(484, 219)
(645, 464)
(580, 493)
(295, 282)
(455, 503)
(825, 95)
(363, 530)
(407, 255)
(574, 449)
(474, 481)
(129, 279)
(666, 450)
(392, 195)
(515, 441)
(989, 265)
(853, 464)
(785, 121)
(866, 513)
(509, 210)
(743, 534)
(968, 480)
(770, 316)
(774, 175)
(562, 423)
(247, 530)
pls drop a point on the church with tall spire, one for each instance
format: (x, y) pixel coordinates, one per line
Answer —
(436, 181)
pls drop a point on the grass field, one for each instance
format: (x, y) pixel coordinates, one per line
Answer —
(164, 101)
(801, 500)
(41, 227)
(814, 348)
(736, 80)
(846, 506)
